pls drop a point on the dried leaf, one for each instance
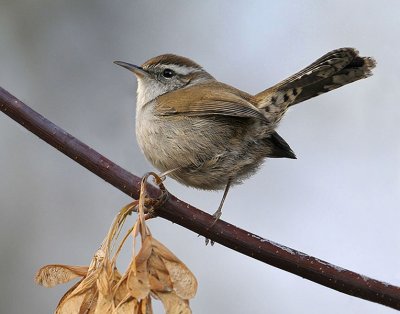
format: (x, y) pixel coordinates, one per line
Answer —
(183, 280)
(162, 250)
(158, 285)
(138, 276)
(127, 306)
(174, 304)
(156, 262)
(104, 283)
(138, 282)
(65, 296)
(144, 252)
(89, 302)
(86, 284)
(83, 296)
(145, 306)
(131, 305)
(77, 303)
(121, 292)
(72, 305)
(158, 272)
(104, 305)
(52, 275)
(153, 272)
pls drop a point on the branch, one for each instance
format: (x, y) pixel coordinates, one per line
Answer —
(198, 221)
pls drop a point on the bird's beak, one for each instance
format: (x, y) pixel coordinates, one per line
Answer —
(139, 71)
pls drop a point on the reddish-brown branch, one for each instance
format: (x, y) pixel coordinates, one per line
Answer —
(196, 220)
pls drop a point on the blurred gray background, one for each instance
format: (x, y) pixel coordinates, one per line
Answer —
(339, 201)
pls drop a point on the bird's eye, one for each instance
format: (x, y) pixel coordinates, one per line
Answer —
(168, 73)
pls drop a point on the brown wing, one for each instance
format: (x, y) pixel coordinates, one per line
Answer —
(208, 99)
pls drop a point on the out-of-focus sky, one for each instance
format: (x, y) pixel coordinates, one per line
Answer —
(338, 201)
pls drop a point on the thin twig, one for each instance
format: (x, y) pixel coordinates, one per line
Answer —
(198, 221)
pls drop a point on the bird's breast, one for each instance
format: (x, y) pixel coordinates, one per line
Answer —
(205, 150)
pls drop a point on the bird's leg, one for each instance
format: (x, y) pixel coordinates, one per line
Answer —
(218, 213)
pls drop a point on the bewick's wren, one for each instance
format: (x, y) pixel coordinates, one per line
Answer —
(209, 135)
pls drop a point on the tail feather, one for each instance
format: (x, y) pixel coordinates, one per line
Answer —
(279, 147)
(359, 68)
(333, 70)
(324, 67)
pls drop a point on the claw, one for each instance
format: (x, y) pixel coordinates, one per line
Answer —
(153, 204)
(160, 178)
(209, 241)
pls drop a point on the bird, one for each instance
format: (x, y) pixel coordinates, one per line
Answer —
(209, 135)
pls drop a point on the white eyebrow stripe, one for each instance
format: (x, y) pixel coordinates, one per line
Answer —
(181, 69)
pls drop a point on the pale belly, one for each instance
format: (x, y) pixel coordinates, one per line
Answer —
(205, 152)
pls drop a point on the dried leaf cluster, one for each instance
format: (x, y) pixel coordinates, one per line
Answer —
(153, 272)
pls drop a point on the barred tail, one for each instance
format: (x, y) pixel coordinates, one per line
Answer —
(333, 70)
